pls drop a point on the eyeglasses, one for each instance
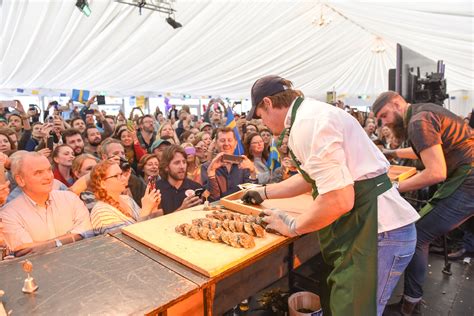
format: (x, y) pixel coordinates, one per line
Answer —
(119, 175)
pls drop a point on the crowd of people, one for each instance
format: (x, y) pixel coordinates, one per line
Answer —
(92, 173)
(118, 170)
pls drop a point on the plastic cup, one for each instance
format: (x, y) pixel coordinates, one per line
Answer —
(304, 301)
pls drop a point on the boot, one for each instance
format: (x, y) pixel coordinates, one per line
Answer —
(403, 308)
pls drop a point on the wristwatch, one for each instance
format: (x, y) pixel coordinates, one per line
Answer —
(396, 184)
(58, 243)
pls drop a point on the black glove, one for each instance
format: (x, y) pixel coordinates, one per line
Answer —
(255, 196)
(390, 153)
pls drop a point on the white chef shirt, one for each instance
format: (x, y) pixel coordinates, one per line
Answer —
(334, 150)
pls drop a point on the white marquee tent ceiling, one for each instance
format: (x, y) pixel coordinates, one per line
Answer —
(224, 46)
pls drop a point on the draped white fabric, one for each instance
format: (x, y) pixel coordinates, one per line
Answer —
(224, 46)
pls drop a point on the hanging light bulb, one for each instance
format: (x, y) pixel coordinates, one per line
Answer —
(322, 21)
(378, 47)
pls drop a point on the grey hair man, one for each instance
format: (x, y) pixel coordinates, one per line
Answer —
(41, 218)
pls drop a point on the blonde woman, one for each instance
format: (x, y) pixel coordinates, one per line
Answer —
(194, 165)
(167, 132)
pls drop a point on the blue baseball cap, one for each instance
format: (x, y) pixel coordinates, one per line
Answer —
(264, 87)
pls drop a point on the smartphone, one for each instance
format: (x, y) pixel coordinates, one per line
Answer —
(50, 143)
(89, 111)
(152, 182)
(50, 119)
(232, 159)
(7, 104)
(100, 99)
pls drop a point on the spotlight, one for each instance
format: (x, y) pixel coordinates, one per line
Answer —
(173, 22)
(84, 7)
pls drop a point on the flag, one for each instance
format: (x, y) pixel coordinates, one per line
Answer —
(35, 92)
(140, 101)
(20, 90)
(273, 161)
(80, 95)
(239, 150)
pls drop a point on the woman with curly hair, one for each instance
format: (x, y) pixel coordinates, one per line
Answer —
(114, 210)
(149, 167)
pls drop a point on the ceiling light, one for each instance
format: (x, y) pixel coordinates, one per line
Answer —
(175, 24)
(378, 47)
(163, 6)
(322, 21)
(84, 7)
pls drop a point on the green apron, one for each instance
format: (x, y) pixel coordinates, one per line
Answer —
(349, 246)
(451, 184)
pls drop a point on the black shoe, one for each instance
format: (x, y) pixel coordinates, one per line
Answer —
(459, 254)
(403, 308)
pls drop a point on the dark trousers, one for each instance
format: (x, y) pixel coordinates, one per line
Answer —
(447, 215)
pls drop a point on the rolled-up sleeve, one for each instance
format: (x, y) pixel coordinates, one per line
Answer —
(326, 162)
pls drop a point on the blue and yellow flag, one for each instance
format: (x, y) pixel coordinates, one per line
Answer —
(273, 161)
(239, 150)
(80, 95)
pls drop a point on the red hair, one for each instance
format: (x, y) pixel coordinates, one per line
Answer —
(98, 175)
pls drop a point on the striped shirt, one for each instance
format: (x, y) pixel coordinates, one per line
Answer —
(105, 218)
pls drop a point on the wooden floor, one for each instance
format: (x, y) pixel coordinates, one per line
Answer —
(444, 295)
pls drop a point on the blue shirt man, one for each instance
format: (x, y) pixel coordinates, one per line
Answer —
(221, 177)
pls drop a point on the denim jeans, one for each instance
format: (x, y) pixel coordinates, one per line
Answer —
(395, 250)
(447, 215)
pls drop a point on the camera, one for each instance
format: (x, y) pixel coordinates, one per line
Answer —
(124, 164)
(199, 192)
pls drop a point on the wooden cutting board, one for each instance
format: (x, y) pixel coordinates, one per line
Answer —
(293, 206)
(400, 173)
(210, 259)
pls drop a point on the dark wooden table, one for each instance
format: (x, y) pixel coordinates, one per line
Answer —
(115, 275)
(100, 276)
(221, 293)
